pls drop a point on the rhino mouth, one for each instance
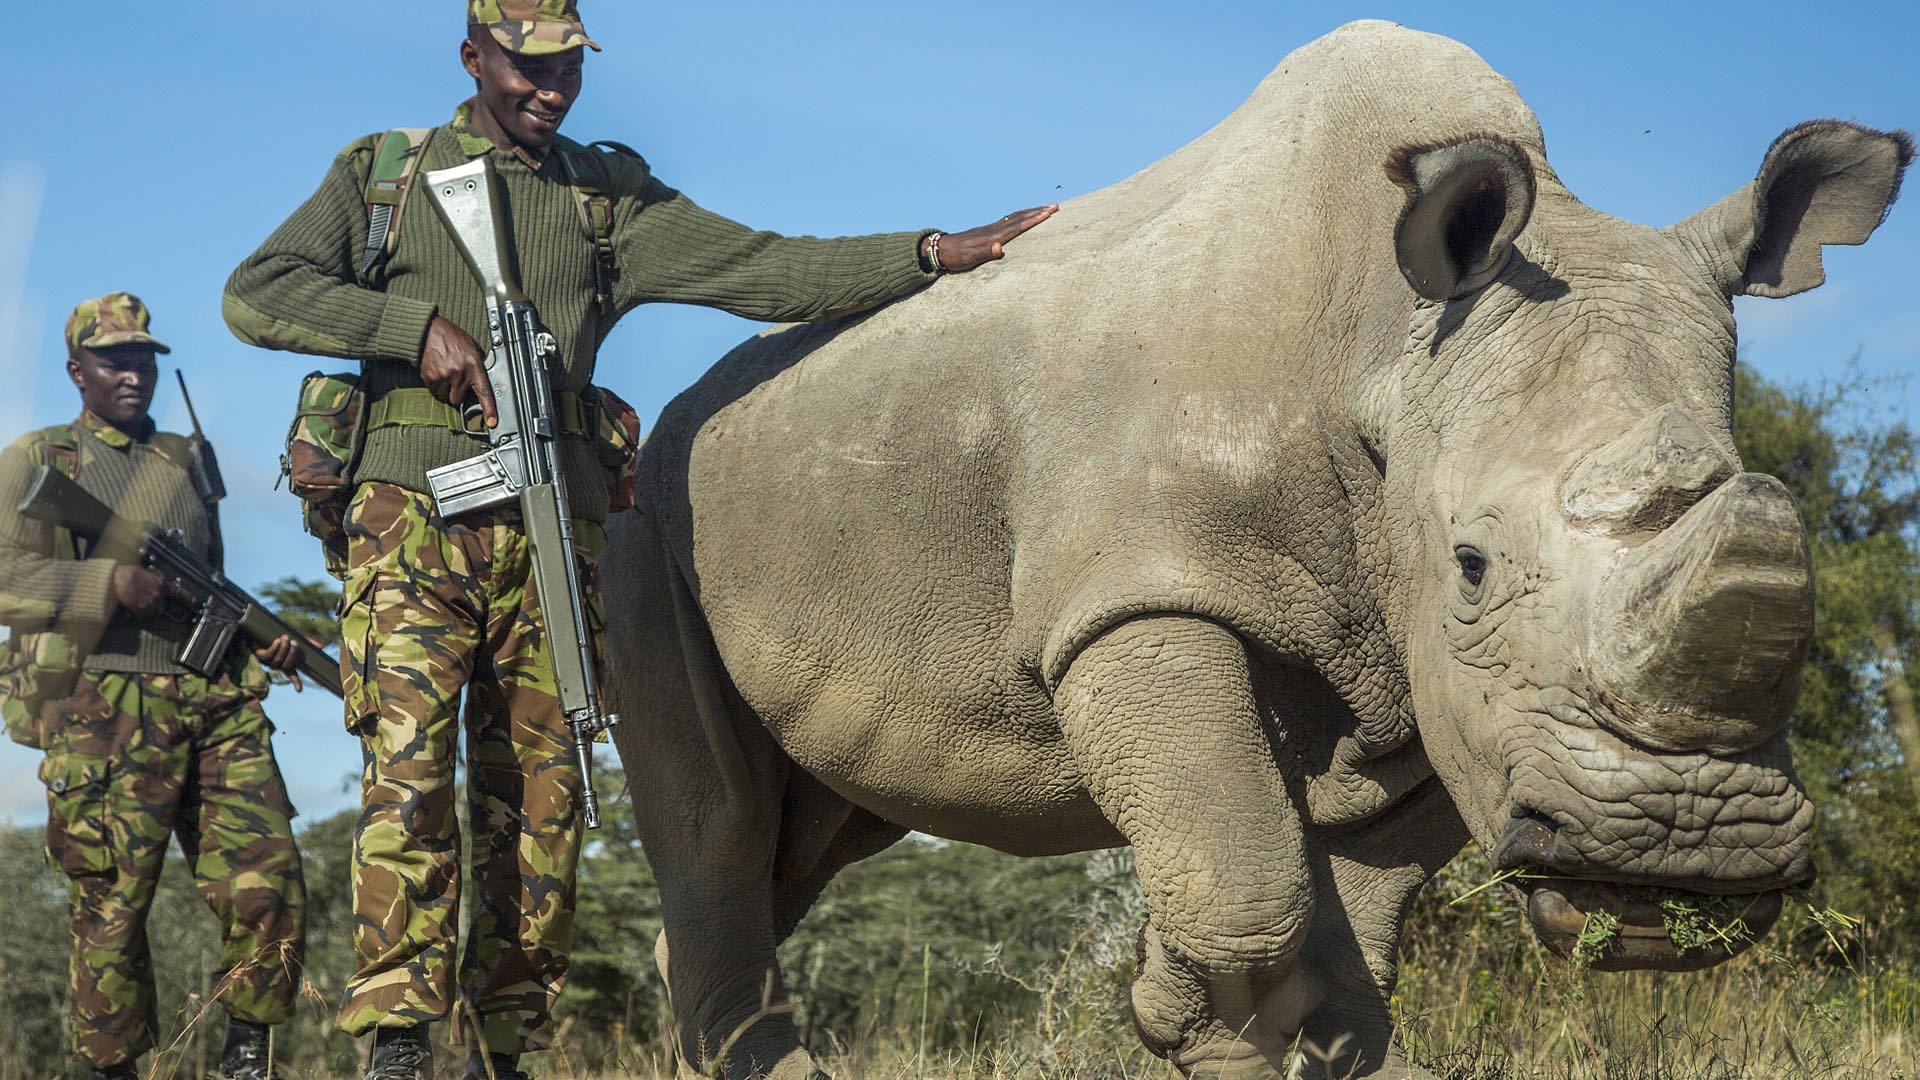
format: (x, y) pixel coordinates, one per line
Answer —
(1620, 926)
(1612, 927)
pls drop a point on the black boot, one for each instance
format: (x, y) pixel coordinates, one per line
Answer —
(505, 1067)
(401, 1054)
(126, 1070)
(248, 1051)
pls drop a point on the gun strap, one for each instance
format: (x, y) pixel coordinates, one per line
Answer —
(179, 450)
(416, 406)
(396, 161)
(595, 208)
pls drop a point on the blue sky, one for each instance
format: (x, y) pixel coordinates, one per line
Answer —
(151, 153)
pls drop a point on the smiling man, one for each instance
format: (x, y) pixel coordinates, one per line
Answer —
(436, 607)
(139, 749)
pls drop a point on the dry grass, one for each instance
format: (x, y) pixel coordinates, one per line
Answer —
(1821, 997)
(1487, 1005)
(1755, 1019)
(1816, 998)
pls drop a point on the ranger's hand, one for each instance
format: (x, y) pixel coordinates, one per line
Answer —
(141, 591)
(282, 656)
(454, 368)
(962, 251)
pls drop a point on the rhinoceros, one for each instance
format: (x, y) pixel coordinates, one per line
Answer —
(1335, 490)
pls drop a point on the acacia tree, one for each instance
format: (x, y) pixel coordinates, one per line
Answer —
(308, 606)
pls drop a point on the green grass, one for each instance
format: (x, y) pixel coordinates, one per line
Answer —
(1596, 935)
(1703, 923)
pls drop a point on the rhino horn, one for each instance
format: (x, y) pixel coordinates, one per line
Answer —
(1645, 479)
(1697, 638)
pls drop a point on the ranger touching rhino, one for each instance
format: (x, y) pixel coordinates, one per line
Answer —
(1238, 550)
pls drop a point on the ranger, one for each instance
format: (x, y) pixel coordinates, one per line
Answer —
(139, 748)
(435, 607)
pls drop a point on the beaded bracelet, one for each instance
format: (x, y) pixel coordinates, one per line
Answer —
(933, 253)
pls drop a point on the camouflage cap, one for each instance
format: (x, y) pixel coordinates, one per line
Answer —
(532, 27)
(114, 319)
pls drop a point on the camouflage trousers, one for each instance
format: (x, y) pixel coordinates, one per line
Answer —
(130, 761)
(431, 607)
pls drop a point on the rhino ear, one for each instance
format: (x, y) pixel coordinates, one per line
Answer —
(1823, 182)
(1466, 202)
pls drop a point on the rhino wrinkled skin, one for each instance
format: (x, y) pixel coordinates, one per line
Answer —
(1333, 491)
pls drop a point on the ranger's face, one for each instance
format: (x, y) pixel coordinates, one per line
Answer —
(525, 97)
(116, 384)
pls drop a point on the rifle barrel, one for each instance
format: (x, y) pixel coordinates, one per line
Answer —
(188, 398)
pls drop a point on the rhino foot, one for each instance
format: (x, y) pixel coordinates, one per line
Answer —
(1237, 1060)
(796, 1065)
(1243, 1062)
(1312, 1065)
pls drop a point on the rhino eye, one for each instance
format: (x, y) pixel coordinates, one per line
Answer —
(1473, 567)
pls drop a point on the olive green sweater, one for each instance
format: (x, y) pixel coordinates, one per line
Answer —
(303, 291)
(45, 589)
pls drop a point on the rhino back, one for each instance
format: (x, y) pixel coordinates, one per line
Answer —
(901, 527)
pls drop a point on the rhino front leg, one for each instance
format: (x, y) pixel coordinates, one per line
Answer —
(1369, 874)
(1161, 719)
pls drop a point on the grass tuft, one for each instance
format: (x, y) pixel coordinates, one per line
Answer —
(1596, 938)
(1698, 923)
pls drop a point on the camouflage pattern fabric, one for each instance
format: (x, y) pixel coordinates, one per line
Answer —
(36, 671)
(131, 761)
(114, 319)
(321, 446)
(618, 444)
(532, 27)
(431, 607)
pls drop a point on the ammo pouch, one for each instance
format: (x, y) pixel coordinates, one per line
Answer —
(36, 670)
(323, 444)
(617, 442)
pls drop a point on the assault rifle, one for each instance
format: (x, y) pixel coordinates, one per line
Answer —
(217, 608)
(522, 459)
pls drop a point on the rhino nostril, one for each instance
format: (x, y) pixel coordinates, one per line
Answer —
(1529, 840)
